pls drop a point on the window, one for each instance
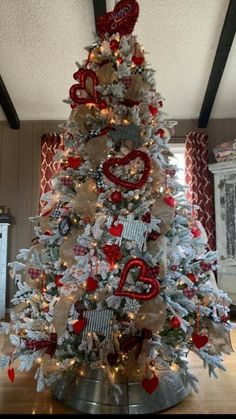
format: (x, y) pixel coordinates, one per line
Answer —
(178, 150)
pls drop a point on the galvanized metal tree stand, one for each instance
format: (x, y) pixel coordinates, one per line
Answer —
(88, 393)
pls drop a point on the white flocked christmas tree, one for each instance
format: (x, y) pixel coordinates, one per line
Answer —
(119, 278)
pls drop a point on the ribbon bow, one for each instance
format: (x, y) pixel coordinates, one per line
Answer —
(50, 344)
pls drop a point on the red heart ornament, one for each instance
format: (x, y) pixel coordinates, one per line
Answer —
(150, 385)
(137, 60)
(122, 19)
(74, 162)
(91, 284)
(196, 232)
(82, 75)
(143, 277)
(122, 161)
(11, 374)
(153, 110)
(79, 325)
(170, 201)
(116, 230)
(199, 340)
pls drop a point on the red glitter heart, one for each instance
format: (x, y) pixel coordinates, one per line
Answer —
(122, 161)
(122, 19)
(82, 75)
(143, 277)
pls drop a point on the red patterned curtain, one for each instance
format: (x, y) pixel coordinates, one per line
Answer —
(49, 144)
(197, 177)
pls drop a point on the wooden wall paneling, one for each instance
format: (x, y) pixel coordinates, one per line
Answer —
(9, 190)
(55, 128)
(25, 187)
(37, 131)
(1, 156)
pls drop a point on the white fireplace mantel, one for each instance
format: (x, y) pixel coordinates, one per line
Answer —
(3, 266)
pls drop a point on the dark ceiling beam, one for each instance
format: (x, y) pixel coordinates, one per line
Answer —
(100, 8)
(222, 52)
(8, 107)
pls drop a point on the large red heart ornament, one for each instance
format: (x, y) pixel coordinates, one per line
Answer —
(143, 277)
(82, 75)
(150, 385)
(122, 19)
(122, 161)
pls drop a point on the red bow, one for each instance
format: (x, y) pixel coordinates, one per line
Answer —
(131, 342)
(113, 253)
(50, 344)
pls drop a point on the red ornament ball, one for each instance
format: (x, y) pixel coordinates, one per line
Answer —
(79, 325)
(146, 218)
(116, 197)
(160, 132)
(153, 235)
(120, 60)
(175, 322)
(205, 266)
(114, 45)
(102, 104)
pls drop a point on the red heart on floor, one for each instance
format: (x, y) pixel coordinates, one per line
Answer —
(199, 340)
(142, 277)
(121, 19)
(116, 230)
(122, 161)
(150, 385)
(91, 284)
(11, 374)
(79, 325)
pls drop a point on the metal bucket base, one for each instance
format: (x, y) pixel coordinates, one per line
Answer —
(88, 394)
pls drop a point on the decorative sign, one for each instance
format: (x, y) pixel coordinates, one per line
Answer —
(98, 321)
(129, 230)
(64, 226)
(126, 132)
